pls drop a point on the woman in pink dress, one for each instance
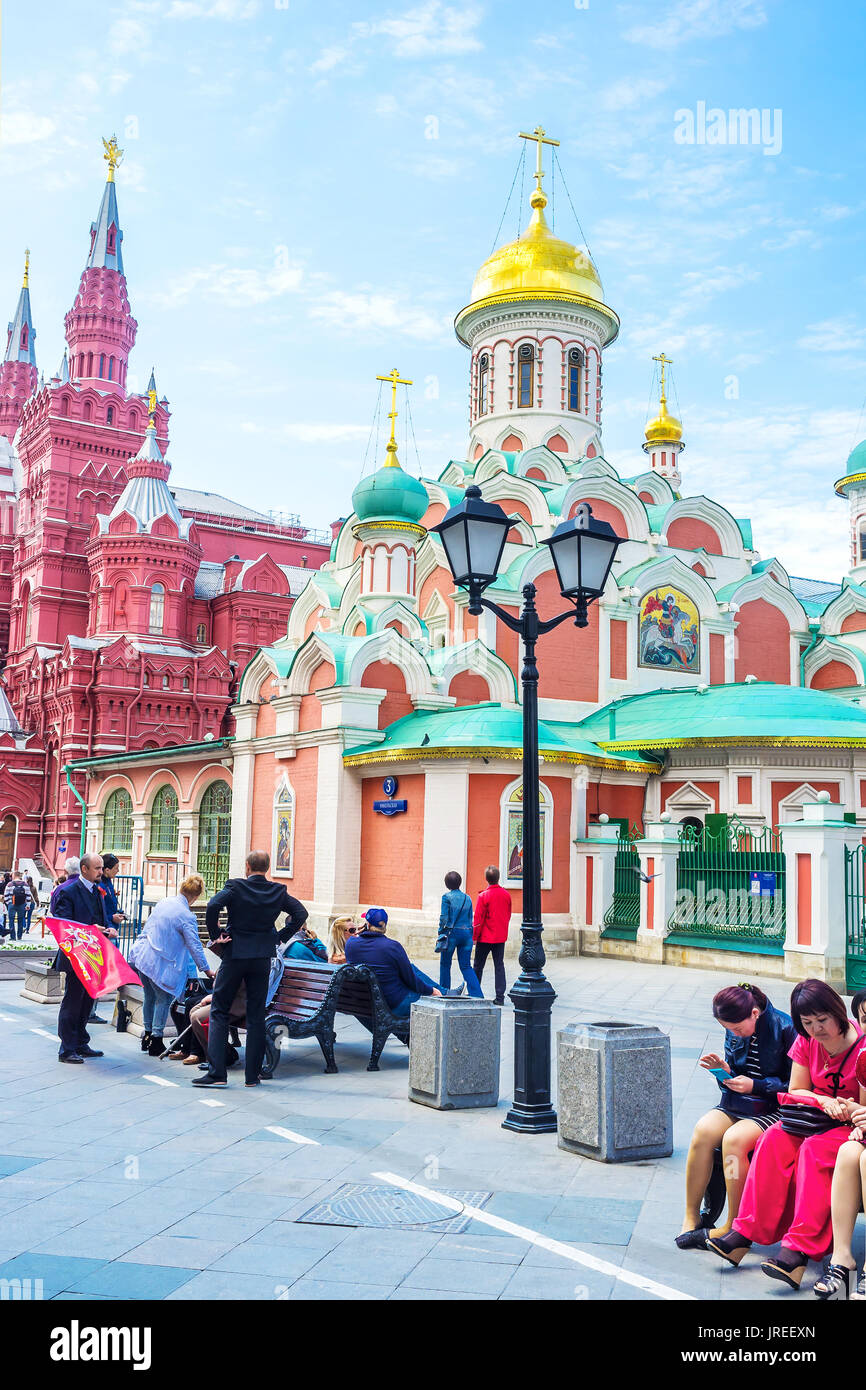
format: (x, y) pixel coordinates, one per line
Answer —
(787, 1192)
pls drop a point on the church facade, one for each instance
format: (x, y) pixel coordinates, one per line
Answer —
(128, 606)
(377, 744)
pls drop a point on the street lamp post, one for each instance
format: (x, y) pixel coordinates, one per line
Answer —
(473, 535)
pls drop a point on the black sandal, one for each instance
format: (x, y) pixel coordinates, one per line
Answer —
(788, 1271)
(731, 1247)
(835, 1283)
(692, 1240)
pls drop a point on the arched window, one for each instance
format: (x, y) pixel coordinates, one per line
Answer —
(214, 835)
(117, 830)
(28, 616)
(109, 415)
(863, 540)
(283, 847)
(163, 822)
(88, 411)
(525, 375)
(157, 608)
(24, 336)
(575, 379)
(186, 682)
(102, 365)
(511, 835)
(483, 383)
(201, 633)
(111, 369)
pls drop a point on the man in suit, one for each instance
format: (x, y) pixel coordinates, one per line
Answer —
(253, 905)
(78, 900)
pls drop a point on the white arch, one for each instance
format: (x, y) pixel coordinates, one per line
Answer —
(478, 659)
(259, 668)
(658, 487)
(714, 515)
(307, 658)
(764, 586)
(391, 646)
(832, 650)
(548, 460)
(546, 804)
(402, 613)
(607, 489)
(845, 606)
(673, 571)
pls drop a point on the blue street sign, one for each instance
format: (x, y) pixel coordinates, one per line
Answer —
(389, 786)
(762, 884)
(390, 808)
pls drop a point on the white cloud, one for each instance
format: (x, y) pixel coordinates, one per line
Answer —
(331, 58)
(308, 433)
(25, 128)
(697, 19)
(630, 91)
(365, 311)
(427, 31)
(841, 334)
(229, 10)
(235, 285)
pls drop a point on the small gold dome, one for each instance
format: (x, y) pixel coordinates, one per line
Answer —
(665, 428)
(538, 265)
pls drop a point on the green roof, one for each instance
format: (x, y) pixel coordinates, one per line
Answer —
(756, 713)
(745, 526)
(478, 731)
(174, 750)
(656, 513)
(390, 493)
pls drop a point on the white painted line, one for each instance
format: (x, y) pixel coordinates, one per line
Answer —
(289, 1134)
(7, 1018)
(556, 1247)
(211, 1102)
(159, 1080)
(44, 1034)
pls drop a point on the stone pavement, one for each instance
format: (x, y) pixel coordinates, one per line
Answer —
(113, 1185)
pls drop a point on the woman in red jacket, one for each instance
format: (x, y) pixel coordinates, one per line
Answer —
(490, 929)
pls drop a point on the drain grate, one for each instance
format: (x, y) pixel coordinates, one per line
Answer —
(364, 1204)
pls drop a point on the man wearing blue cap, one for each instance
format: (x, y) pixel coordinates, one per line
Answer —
(401, 982)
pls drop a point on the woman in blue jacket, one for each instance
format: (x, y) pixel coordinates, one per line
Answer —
(455, 934)
(758, 1039)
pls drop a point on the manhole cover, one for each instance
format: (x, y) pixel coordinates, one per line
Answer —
(364, 1204)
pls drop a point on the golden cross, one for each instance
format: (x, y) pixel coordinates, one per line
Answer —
(113, 155)
(151, 409)
(663, 362)
(26, 270)
(540, 139)
(391, 448)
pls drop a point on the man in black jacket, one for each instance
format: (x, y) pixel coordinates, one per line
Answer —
(253, 905)
(78, 901)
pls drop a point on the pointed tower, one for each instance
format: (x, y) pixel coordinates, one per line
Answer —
(388, 507)
(100, 329)
(18, 369)
(663, 437)
(536, 327)
(144, 556)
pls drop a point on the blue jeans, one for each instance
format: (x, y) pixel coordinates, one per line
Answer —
(156, 1003)
(459, 940)
(17, 913)
(401, 1009)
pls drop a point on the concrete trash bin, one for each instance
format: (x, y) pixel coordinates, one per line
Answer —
(614, 1091)
(454, 1053)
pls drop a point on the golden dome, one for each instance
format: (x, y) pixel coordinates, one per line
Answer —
(538, 266)
(665, 428)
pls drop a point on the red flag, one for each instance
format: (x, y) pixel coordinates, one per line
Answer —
(96, 960)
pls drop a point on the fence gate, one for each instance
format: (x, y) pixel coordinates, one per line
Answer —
(622, 918)
(730, 888)
(215, 835)
(130, 899)
(855, 919)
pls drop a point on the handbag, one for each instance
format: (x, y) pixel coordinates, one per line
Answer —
(804, 1118)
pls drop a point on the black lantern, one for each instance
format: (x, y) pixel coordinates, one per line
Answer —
(473, 534)
(583, 550)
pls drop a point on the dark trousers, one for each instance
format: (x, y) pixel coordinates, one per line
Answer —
(496, 949)
(17, 913)
(74, 1013)
(254, 972)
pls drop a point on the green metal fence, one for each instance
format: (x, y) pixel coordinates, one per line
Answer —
(130, 899)
(622, 918)
(730, 888)
(855, 918)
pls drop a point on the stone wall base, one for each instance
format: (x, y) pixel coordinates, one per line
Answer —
(804, 965)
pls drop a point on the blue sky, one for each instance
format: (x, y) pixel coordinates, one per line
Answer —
(291, 229)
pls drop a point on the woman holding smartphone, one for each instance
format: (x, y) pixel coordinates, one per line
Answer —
(754, 1069)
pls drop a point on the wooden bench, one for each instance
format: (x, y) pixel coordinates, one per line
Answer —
(309, 996)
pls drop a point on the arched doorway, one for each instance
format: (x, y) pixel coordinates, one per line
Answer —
(214, 835)
(8, 837)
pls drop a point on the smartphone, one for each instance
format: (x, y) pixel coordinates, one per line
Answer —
(719, 1073)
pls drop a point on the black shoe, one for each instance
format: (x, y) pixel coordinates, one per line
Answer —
(204, 1066)
(250, 1084)
(94, 1018)
(232, 1057)
(144, 1041)
(90, 1052)
(208, 1080)
(71, 1057)
(157, 1048)
(500, 1002)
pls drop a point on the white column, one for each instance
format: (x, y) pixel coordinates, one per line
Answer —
(243, 768)
(187, 830)
(338, 831)
(659, 851)
(596, 861)
(446, 825)
(140, 839)
(814, 848)
(95, 824)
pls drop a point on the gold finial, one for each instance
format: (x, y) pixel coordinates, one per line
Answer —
(26, 284)
(391, 460)
(539, 197)
(151, 409)
(663, 362)
(113, 155)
